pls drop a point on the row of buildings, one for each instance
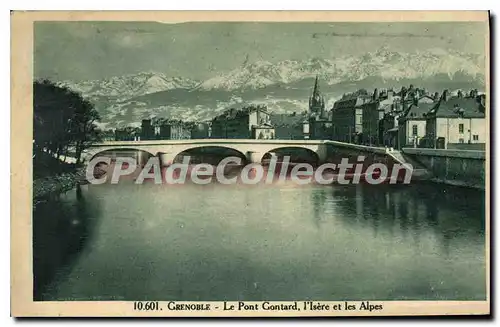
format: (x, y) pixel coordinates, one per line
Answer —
(248, 122)
(165, 129)
(411, 117)
(158, 129)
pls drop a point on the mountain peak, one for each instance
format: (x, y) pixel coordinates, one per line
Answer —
(384, 63)
(131, 85)
(258, 64)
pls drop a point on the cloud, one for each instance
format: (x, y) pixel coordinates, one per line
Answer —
(200, 50)
(131, 39)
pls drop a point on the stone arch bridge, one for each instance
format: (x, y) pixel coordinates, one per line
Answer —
(167, 150)
(252, 150)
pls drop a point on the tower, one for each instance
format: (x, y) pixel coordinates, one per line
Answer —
(316, 101)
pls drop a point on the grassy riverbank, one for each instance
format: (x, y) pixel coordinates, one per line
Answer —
(53, 185)
(52, 176)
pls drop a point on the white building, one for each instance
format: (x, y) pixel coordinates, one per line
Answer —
(458, 123)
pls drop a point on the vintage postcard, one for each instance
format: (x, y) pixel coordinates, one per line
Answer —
(250, 164)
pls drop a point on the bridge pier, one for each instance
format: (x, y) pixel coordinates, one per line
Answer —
(141, 158)
(254, 156)
(166, 159)
(322, 154)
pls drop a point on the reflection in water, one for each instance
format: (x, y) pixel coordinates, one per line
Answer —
(279, 242)
(61, 228)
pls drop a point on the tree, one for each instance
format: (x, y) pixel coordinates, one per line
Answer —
(53, 108)
(62, 119)
(83, 129)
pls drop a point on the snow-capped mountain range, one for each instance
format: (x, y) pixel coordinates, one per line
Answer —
(133, 85)
(284, 86)
(386, 64)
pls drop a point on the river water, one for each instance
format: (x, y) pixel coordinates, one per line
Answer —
(265, 242)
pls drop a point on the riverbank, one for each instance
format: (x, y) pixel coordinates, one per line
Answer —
(465, 168)
(481, 186)
(46, 187)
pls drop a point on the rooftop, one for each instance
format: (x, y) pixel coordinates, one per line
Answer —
(418, 111)
(235, 113)
(454, 107)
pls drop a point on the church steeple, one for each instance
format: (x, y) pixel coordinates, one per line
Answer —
(316, 88)
(316, 101)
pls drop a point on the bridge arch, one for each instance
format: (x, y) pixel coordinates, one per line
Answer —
(211, 154)
(297, 154)
(141, 157)
(139, 154)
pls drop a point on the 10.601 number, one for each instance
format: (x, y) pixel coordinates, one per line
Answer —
(146, 306)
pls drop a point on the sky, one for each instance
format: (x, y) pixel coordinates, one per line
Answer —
(94, 50)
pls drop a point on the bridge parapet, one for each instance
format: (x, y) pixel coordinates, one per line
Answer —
(361, 148)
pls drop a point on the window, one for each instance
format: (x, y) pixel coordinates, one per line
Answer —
(359, 119)
(461, 128)
(460, 140)
(475, 137)
(414, 130)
